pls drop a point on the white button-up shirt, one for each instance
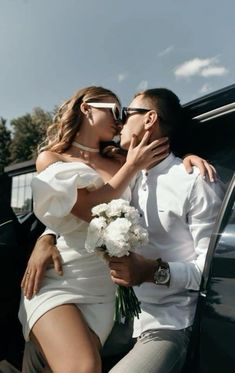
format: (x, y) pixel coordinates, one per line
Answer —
(179, 211)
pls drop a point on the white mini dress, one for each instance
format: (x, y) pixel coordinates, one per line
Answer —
(86, 280)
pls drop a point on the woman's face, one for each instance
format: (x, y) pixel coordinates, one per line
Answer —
(103, 119)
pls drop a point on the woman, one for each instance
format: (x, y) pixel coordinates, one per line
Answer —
(71, 316)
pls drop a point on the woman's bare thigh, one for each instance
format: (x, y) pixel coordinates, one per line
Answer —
(65, 339)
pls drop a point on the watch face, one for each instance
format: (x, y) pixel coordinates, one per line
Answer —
(162, 276)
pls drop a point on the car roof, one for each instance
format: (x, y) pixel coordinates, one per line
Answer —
(216, 103)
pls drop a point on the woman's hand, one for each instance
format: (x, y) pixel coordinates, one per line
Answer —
(145, 155)
(205, 168)
(44, 254)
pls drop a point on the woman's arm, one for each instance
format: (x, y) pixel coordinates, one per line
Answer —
(140, 156)
(206, 169)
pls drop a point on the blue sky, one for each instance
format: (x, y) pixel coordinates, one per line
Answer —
(51, 48)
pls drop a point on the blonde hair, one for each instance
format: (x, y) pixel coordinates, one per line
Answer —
(67, 121)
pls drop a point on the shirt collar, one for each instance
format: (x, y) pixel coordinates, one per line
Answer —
(160, 167)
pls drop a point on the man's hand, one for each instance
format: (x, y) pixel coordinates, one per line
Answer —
(132, 270)
(44, 253)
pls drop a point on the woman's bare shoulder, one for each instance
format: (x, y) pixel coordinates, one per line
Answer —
(46, 158)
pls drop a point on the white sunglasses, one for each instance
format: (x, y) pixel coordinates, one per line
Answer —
(108, 105)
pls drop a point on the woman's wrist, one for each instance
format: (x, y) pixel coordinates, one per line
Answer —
(48, 238)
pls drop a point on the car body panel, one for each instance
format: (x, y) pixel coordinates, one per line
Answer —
(216, 305)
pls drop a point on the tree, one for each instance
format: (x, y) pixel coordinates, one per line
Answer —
(5, 141)
(28, 132)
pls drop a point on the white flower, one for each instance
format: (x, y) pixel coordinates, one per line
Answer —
(133, 215)
(115, 229)
(117, 207)
(99, 209)
(138, 236)
(116, 237)
(95, 233)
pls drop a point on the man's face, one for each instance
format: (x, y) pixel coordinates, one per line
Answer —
(134, 124)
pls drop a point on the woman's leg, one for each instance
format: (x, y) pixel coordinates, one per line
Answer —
(67, 342)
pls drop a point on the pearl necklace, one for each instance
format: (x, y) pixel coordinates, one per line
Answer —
(85, 148)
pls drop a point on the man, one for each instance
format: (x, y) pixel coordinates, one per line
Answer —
(179, 211)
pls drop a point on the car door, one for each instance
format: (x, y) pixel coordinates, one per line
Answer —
(216, 307)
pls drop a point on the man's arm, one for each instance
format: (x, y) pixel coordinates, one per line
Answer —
(205, 202)
(44, 254)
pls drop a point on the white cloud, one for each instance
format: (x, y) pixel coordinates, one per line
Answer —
(166, 51)
(205, 88)
(200, 67)
(122, 77)
(214, 71)
(142, 86)
(192, 67)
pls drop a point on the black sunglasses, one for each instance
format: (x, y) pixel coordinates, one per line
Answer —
(127, 111)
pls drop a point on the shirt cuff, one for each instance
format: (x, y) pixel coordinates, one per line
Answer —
(184, 276)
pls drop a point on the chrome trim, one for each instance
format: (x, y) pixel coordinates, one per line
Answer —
(6, 222)
(226, 109)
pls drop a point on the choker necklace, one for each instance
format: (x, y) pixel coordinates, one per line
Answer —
(86, 148)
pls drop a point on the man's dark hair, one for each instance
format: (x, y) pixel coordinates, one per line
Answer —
(173, 119)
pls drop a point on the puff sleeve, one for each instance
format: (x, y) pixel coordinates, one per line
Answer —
(55, 193)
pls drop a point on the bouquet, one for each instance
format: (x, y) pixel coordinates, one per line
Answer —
(115, 231)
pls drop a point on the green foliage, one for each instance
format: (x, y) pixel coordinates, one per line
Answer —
(5, 140)
(28, 132)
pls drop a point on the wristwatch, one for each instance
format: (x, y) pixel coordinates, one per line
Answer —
(162, 275)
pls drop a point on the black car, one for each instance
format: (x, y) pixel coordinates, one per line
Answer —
(213, 132)
(212, 136)
(216, 307)
(212, 345)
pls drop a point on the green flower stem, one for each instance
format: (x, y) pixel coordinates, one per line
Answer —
(127, 304)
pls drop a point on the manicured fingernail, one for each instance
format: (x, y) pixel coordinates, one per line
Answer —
(212, 180)
(203, 177)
